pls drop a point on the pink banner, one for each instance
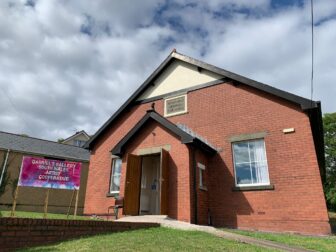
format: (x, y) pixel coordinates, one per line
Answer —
(48, 173)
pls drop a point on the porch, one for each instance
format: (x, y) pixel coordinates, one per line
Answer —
(160, 172)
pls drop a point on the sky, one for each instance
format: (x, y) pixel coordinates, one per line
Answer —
(67, 66)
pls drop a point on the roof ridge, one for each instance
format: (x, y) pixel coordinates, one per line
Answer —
(304, 103)
(40, 139)
(77, 133)
(230, 74)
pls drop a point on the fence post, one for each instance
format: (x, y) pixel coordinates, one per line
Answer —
(46, 204)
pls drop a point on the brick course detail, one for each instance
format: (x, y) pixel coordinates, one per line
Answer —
(23, 232)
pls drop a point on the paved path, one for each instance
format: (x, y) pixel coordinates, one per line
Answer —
(171, 223)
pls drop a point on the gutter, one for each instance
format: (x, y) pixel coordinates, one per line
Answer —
(23, 152)
(4, 167)
(316, 126)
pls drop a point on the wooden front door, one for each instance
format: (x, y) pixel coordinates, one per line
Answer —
(132, 186)
(164, 182)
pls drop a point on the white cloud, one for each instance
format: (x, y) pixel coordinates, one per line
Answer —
(55, 79)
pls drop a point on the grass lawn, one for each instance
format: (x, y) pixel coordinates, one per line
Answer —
(308, 242)
(153, 239)
(36, 215)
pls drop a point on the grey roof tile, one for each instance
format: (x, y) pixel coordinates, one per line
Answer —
(42, 147)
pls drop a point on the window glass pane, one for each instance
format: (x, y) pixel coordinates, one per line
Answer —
(257, 150)
(250, 162)
(79, 143)
(253, 174)
(115, 176)
(117, 166)
(116, 183)
(260, 173)
(243, 174)
(241, 153)
(203, 177)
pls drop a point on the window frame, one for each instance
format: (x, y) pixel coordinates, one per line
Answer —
(112, 176)
(201, 168)
(179, 112)
(79, 143)
(234, 164)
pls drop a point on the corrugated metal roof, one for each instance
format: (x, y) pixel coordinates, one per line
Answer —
(185, 136)
(186, 129)
(42, 147)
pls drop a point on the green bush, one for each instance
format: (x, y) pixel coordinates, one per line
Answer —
(331, 198)
(329, 128)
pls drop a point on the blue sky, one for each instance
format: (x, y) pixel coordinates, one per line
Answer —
(68, 65)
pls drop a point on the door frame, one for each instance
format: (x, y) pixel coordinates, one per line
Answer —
(159, 171)
(154, 153)
(164, 181)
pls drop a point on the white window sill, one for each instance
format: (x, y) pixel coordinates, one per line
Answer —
(203, 188)
(253, 188)
(175, 114)
(112, 194)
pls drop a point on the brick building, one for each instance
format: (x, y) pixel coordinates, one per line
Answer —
(78, 139)
(208, 146)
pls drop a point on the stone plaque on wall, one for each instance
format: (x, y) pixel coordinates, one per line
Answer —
(175, 105)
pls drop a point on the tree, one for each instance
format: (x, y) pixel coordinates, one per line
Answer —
(60, 140)
(329, 127)
(6, 176)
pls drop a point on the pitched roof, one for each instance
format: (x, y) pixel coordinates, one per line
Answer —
(82, 132)
(312, 108)
(36, 146)
(301, 101)
(185, 135)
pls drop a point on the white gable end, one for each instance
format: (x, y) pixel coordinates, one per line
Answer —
(177, 76)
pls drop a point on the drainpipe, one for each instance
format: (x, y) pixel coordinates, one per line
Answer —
(195, 183)
(4, 167)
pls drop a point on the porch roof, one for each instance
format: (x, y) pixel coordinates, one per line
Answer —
(186, 136)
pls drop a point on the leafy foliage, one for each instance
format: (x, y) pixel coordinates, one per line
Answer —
(6, 177)
(329, 126)
(5, 180)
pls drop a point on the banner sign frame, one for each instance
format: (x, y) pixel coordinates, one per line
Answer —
(50, 173)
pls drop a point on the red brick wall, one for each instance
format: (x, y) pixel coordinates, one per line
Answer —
(218, 113)
(154, 135)
(19, 233)
(96, 201)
